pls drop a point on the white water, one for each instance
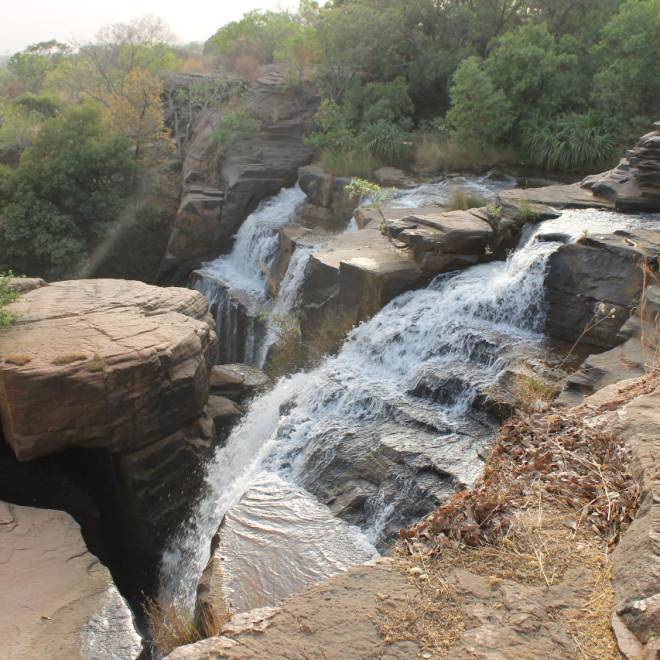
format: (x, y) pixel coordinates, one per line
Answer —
(464, 325)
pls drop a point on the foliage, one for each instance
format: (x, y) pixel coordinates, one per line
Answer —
(64, 196)
(236, 126)
(568, 142)
(32, 65)
(376, 101)
(480, 113)
(8, 294)
(527, 211)
(335, 132)
(357, 161)
(386, 141)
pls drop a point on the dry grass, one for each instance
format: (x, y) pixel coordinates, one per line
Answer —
(68, 358)
(172, 624)
(19, 359)
(555, 496)
(442, 154)
(98, 363)
(462, 201)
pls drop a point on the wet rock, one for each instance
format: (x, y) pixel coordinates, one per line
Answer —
(354, 471)
(219, 191)
(603, 270)
(122, 367)
(57, 601)
(273, 543)
(336, 618)
(634, 184)
(224, 413)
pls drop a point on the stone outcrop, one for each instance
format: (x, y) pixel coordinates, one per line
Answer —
(122, 368)
(219, 190)
(600, 270)
(634, 184)
(327, 191)
(238, 382)
(57, 601)
(336, 618)
(271, 544)
(558, 196)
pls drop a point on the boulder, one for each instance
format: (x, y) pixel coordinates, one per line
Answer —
(357, 271)
(122, 368)
(634, 184)
(238, 382)
(274, 542)
(57, 601)
(336, 618)
(316, 184)
(392, 177)
(221, 190)
(595, 282)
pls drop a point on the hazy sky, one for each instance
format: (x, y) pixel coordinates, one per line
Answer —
(26, 22)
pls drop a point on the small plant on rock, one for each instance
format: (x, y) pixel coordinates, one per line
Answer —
(8, 294)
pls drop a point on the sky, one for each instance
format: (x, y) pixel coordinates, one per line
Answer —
(26, 22)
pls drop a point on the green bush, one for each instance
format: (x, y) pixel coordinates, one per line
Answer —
(568, 142)
(8, 294)
(237, 125)
(385, 141)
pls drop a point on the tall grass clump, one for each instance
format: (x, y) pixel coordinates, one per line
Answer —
(442, 154)
(462, 201)
(357, 161)
(385, 141)
(568, 142)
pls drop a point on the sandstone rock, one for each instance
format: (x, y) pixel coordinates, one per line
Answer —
(238, 382)
(224, 413)
(316, 184)
(359, 271)
(57, 601)
(392, 177)
(251, 171)
(634, 356)
(634, 184)
(121, 367)
(598, 270)
(560, 196)
(336, 618)
(273, 543)
(25, 284)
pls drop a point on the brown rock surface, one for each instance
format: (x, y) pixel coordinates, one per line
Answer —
(121, 367)
(57, 600)
(561, 196)
(336, 618)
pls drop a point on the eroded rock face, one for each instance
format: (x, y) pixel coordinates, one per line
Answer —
(604, 270)
(122, 367)
(57, 601)
(220, 191)
(634, 184)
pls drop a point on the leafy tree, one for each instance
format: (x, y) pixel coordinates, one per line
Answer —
(64, 196)
(479, 112)
(32, 65)
(528, 66)
(628, 81)
(379, 101)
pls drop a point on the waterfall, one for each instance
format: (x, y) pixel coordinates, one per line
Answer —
(400, 389)
(235, 284)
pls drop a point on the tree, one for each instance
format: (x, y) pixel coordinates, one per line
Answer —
(64, 196)
(628, 81)
(32, 65)
(479, 112)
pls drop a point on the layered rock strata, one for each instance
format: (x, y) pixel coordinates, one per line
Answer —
(634, 184)
(122, 368)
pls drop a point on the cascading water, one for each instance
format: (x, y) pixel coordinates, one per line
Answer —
(394, 408)
(235, 284)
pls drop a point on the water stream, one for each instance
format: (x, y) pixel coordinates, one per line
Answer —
(391, 417)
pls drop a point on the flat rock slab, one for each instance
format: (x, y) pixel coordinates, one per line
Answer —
(337, 619)
(273, 543)
(103, 363)
(571, 196)
(57, 600)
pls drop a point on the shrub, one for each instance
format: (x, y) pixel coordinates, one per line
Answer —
(385, 141)
(237, 125)
(8, 294)
(568, 142)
